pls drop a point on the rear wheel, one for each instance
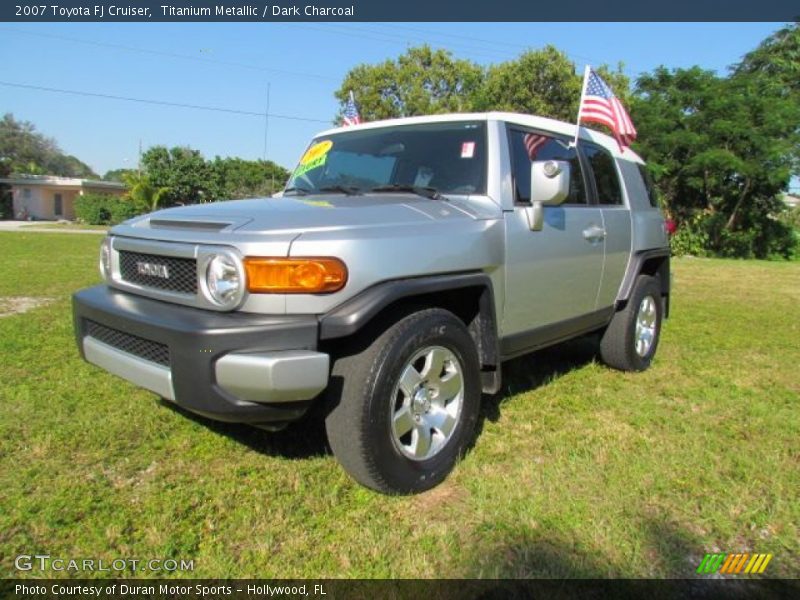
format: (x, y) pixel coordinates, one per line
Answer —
(407, 405)
(630, 340)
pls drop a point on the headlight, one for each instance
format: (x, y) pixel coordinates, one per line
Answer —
(105, 258)
(224, 280)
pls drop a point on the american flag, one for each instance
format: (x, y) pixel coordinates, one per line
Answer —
(351, 116)
(534, 141)
(600, 105)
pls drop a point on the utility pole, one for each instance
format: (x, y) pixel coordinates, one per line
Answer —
(266, 122)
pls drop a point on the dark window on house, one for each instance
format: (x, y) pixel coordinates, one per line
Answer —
(527, 146)
(652, 193)
(58, 205)
(605, 174)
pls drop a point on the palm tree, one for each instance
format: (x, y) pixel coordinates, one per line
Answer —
(142, 192)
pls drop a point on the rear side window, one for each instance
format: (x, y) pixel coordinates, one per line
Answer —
(605, 174)
(526, 147)
(652, 193)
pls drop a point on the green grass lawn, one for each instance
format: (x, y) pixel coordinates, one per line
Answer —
(62, 226)
(578, 471)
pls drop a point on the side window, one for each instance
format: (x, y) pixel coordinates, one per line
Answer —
(529, 146)
(652, 193)
(605, 174)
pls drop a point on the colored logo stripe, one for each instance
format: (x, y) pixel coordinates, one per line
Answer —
(732, 564)
(711, 562)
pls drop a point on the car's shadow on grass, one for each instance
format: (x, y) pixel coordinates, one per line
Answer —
(301, 440)
(532, 371)
(306, 438)
(541, 564)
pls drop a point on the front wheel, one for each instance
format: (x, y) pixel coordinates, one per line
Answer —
(630, 340)
(408, 403)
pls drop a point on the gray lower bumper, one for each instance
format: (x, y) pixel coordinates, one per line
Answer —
(142, 372)
(284, 376)
(281, 376)
(257, 369)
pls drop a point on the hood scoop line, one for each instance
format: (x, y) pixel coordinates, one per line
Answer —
(190, 225)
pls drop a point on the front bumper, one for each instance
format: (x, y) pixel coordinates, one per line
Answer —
(235, 367)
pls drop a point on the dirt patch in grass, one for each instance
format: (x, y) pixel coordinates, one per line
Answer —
(17, 305)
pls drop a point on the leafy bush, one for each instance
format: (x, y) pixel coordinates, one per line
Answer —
(104, 209)
(691, 238)
(93, 208)
(122, 209)
(791, 217)
(762, 234)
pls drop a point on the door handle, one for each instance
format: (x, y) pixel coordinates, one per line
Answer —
(594, 233)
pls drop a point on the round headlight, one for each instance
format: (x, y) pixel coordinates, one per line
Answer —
(224, 280)
(105, 258)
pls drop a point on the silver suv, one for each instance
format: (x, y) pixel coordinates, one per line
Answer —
(403, 263)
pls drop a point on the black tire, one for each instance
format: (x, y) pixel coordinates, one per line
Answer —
(365, 399)
(618, 344)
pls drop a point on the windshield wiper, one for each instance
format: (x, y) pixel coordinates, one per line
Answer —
(297, 190)
(349, 190)
(426, 192)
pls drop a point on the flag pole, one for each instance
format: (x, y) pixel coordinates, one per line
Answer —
(586, 70)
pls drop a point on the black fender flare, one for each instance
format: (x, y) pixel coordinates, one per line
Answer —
(349, 317)
(637, 266)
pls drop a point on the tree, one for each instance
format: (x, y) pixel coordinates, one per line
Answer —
(721, 152)
(118, 174)
(422, 81)
(142, 193)
(25, 150)
(182, 171)
(238, 178)
(183, 176)
(778, 57)
(539, 82)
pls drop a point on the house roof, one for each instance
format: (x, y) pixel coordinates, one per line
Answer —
(52, 180)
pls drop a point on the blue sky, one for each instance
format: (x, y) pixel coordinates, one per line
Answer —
(230, 66)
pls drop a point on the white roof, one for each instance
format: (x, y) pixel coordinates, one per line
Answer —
(53, 180)
(534, 122)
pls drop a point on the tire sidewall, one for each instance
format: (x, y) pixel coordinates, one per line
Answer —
(646, 286)
(401, 472)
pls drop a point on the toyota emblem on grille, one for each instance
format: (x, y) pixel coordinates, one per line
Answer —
(152, 270)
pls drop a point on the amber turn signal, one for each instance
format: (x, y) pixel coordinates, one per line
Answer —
(294, 275)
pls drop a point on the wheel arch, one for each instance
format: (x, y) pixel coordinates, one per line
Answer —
(469, 296)
(655, 263)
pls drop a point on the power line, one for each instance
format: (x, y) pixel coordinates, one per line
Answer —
(359, 33)
(516, 47)
(399, 39)
(162, 102)
(150, 51)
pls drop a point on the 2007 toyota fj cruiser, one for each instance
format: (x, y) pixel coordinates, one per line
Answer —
(402, 264)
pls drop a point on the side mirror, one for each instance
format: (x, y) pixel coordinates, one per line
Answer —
(549, 187)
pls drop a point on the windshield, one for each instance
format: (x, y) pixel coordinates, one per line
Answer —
(446, 157)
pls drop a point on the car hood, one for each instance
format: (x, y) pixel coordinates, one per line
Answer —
(300, 214)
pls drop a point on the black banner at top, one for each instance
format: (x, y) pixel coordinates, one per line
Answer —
(406, 10)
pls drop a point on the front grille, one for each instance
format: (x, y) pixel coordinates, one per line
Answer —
(132, 344)
(181, 272)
